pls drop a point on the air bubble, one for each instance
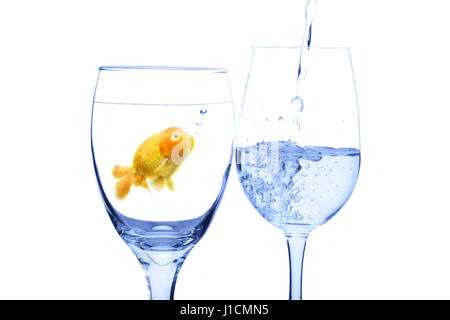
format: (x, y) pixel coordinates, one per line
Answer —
(297, 103)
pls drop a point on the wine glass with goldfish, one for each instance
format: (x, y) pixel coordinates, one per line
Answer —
(162, 143)
(298, 147)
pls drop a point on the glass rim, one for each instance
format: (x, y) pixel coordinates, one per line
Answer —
(166, 68)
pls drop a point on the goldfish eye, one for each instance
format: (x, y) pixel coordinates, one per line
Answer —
(175, 137)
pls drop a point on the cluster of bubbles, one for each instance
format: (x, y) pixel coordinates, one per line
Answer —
(199, 122)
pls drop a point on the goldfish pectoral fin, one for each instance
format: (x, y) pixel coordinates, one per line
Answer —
(123, 186)
(169, 184)
(160, 166)
(119, 171)
(157, 184)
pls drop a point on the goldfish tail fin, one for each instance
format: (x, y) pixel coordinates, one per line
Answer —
(169, 184)
(119, 171)
(123, 186)
(157, 184)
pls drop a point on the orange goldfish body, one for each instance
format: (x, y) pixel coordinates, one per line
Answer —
(156, 159)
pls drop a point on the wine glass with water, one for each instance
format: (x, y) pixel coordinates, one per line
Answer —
(162, 148)
(297, 147)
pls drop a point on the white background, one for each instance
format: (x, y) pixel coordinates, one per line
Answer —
(391, 240)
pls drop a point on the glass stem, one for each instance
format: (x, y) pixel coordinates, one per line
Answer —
(161, 279)
(296, 246)
(161, 269)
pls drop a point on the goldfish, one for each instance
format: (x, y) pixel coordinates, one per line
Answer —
(156, 159)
